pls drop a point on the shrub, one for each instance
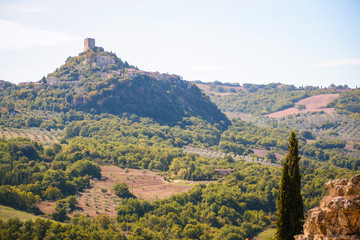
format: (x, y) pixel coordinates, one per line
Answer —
(122, 190)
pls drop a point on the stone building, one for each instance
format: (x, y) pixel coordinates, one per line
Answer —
(89, 43)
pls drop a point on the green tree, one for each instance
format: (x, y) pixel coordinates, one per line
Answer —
(52, 193)
(122, 190)
(290, 213)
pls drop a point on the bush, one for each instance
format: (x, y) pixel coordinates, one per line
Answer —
(330, 143)
(122, 190)
(52, 193)
(357, 146)
(300, 106)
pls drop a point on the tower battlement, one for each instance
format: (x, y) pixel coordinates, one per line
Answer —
(89, 43)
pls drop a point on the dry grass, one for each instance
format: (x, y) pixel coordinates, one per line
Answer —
(8, 212)
(206, 88)
(266, 234)
(312, 104)
(143, 184)
(232, 115)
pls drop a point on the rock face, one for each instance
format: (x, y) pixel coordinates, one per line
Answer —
(338, 216)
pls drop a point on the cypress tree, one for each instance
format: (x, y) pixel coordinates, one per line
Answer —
(290, 214)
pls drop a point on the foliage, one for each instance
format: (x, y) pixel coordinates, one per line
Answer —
(329, 143)
(300, 106)
(348, 103)
(80, 228)
(52, 193)
(23, 164)
(63, 207)
(13, 196)
(83, 83)
(290, 214)
(263, 99)
(122, 190)
(241, 206)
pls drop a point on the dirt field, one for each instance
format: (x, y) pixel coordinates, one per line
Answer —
(143, 184)
(232, 115)
(206, 88)
(312, 104)
(262, 153)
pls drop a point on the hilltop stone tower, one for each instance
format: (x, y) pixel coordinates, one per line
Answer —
(89, 43)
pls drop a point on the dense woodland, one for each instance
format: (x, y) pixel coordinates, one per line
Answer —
(118, 115)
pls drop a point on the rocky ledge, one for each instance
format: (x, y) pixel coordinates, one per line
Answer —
(338, 216)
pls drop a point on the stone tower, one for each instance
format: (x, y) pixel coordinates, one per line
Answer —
(89, 43)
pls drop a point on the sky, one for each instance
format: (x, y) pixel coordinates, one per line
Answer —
(299, 42)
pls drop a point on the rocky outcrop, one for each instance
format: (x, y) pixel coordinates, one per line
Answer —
(338, 216)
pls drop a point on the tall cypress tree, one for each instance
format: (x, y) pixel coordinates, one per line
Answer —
(290, 214)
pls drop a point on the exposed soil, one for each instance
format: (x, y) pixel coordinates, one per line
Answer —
(47, 207)
(259, 152)
(350, 146)
(262, 153)
(143, 184)
(206, 88)
(31, 136)
(232, 115)
(312, 104)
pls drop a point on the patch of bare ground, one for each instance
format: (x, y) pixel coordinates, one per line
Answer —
(40, 138)
(7, 135)
(14, 134)
(207, 88)
(54, 139)
(350, 146)
(308, 141)
(232, 115)
(22, 135)
(262, 153)
(31, 136)
(47, 207)
(100, 199)
(47, 139)
(312, 104)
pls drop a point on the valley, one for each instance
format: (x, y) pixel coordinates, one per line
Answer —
(144, 155)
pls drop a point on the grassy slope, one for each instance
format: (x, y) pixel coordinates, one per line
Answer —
(8, 212)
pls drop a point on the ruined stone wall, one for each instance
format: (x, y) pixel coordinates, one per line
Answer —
(104, 60)
(338, 216)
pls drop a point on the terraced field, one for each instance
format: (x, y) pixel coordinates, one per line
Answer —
(214, 154)
(43, 136)
(99, 199)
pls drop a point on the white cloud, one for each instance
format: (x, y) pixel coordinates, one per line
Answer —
(340, 62)
(16, 36)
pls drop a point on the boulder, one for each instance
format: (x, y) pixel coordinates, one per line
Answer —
(338, 216)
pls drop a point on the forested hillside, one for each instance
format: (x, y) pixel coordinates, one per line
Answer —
(98, 82)
(261, 99)
(348, 103)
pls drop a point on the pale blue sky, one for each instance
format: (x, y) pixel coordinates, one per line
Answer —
(307, 42)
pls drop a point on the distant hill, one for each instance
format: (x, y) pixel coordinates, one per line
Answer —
(97, 81)
(262, 99)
